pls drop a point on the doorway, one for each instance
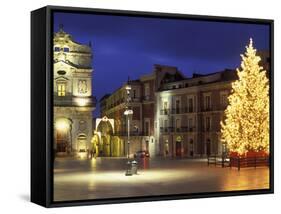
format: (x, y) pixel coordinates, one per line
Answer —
(191, 148)
(178, 148)
(62, 142)
(208, 147)
(63, 135)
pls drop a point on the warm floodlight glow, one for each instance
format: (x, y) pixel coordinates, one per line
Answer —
(141, 177)
(128, 87)
(82, 155)
(81, 101)
(61, 125)
(128, 112)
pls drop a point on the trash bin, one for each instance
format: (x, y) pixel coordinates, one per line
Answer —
(134, 167)
(129, 169)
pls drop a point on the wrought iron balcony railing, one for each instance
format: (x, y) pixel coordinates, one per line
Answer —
(164, 111)
(132, 133)
(176, 129)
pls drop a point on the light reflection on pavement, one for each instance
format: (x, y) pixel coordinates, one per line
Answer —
(105, 178)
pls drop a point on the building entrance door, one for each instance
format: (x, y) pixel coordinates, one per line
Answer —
(63, 135)
(62, 142)
(208, 147)
(191, 152)
(178, 148)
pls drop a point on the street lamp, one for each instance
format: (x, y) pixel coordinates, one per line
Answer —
(127, 113)
(70, 133)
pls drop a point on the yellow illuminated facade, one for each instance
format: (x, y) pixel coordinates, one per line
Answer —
(73, 101)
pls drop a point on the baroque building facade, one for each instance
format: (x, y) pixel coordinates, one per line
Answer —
(73, 100)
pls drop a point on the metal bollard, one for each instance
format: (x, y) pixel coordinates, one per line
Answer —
(134, 167)
(129, 169)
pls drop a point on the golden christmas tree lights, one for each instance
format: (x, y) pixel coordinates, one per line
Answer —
(246, 125)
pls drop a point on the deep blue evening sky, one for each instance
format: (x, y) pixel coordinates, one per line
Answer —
(129, 46)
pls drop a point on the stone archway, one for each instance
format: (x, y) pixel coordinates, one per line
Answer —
(105, 128)
(104, 119)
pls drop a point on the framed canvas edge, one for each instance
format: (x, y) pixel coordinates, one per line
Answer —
(49, 112)
(38, 172)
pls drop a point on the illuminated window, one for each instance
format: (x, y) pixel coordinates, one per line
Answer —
(61, 89)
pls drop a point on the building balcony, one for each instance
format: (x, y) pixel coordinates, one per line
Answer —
(185, 129)
(132, 133)
(176, 129)
(182, 129)
(191, 129)
(188, 110)
(180, 110)
(176, 110)
(135, 99)
(147, 98)
(208, 109)
(208, 129)
(164, 111)
(122, 101)
(167, 129)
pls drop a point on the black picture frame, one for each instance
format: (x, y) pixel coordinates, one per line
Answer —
(42, 111)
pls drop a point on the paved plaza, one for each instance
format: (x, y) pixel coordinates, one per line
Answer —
(76, 179)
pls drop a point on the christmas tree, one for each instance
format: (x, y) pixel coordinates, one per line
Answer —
(246, 124)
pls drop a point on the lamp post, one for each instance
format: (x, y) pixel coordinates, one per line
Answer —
(127, 113)
(70, 133)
